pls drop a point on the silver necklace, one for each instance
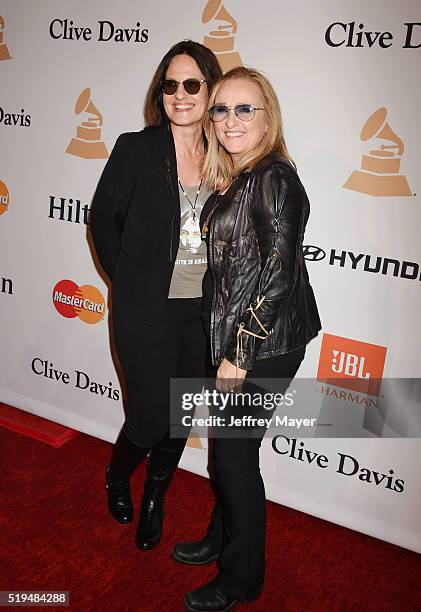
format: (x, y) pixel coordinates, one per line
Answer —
(193, 206)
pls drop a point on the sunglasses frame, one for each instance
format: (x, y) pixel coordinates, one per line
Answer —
(200, 81)
(234, 108)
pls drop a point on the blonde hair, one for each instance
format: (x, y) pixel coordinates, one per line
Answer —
(219, 169)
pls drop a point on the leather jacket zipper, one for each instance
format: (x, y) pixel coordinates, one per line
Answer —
(211, 266)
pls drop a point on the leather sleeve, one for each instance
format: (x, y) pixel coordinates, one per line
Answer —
(277, 213)
(111, 201)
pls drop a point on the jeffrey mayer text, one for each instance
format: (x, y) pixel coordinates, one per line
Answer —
(246, 421)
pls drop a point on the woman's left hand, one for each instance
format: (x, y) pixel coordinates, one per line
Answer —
(229, 376)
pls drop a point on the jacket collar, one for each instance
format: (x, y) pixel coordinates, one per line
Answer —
(169, 160)
(165, 150)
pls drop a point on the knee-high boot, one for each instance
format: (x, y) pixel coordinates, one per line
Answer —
(163, 461)
(125, 458)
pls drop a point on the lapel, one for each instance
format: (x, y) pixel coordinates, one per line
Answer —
(168, 161)
(165, 152)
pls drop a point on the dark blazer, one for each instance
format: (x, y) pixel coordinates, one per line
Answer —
(135, 221)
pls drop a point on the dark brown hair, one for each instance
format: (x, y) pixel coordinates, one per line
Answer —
(153, 111)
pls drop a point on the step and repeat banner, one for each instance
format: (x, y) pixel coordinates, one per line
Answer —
(74, 76)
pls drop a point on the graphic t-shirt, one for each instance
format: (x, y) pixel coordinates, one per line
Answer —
(190, 264)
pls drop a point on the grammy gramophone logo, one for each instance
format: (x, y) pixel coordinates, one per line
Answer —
(4, 198)
(4, 51)
(87, 143)
(380, 167)
(194, 442)
(221, 38)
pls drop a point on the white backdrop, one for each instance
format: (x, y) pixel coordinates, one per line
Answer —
(60, 367)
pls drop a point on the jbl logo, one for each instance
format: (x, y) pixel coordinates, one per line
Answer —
(351, 364)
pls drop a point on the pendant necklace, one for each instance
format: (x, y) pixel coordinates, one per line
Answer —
(193, 206)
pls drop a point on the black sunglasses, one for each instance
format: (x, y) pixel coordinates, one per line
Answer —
(191, 86)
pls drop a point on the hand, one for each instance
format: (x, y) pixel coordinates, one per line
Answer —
(229, 376)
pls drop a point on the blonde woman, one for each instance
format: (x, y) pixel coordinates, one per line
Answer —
(260, 312)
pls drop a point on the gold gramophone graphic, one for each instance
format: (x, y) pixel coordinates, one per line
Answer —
(379, 174)
(221, 40)
(4, 51)
(194, 442)
(88, 143)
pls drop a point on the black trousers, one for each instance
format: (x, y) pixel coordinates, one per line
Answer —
(150, 356)
(238, 523)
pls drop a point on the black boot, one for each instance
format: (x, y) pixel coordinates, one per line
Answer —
(125, 458)
(211, 597)
(203, 551)
(199, 552)
(162, 464)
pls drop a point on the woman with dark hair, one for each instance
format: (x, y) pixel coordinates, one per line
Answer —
(260, 312)
(145, 228)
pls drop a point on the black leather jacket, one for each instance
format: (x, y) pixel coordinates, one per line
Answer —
(262, 302)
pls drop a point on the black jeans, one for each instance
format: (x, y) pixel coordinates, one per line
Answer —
(238, 521)
(150, 356)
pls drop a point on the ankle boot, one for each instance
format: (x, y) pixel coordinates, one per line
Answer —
(201, 552)
(162, 464)
(125, 458)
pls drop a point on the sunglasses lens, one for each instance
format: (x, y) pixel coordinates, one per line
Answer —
(218, 113)
(192, 86)
(169, 87)
(245, 112)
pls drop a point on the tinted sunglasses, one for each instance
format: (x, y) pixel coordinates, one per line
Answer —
(245, 112)
(191, 86)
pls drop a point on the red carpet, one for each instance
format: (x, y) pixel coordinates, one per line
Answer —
(35, 427)
(56, 535)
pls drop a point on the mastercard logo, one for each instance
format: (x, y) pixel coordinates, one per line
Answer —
(85, 302)
(4, 198)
